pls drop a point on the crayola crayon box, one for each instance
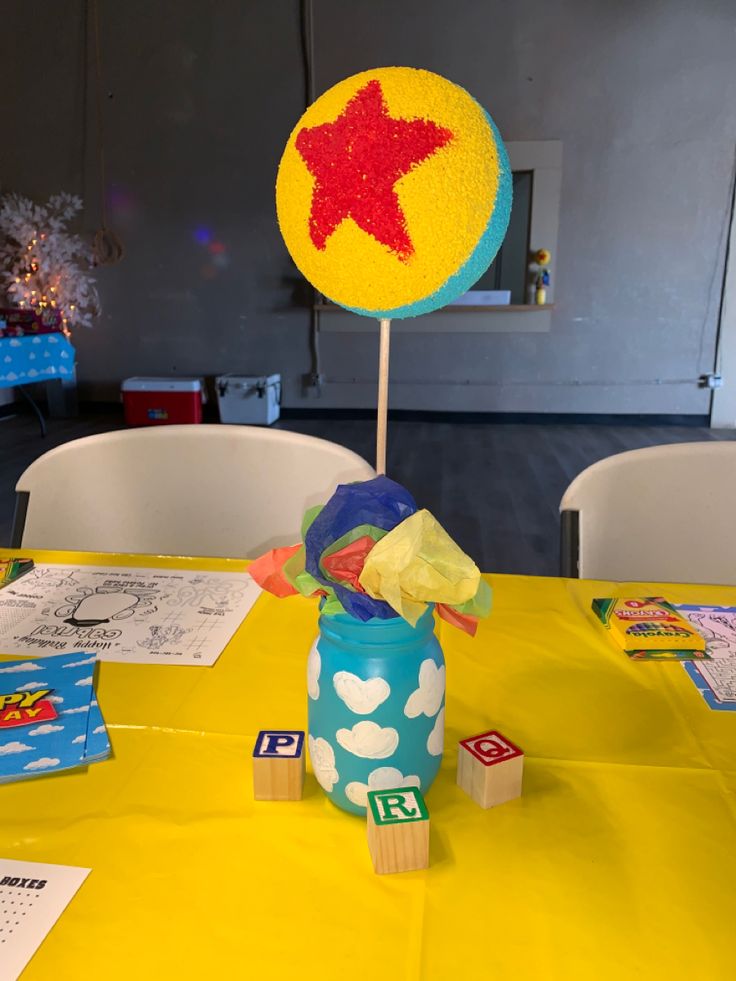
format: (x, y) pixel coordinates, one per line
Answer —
(650, 628)
(12, 569)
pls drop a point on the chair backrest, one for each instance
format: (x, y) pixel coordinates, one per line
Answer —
(660, 514)
(180, 490)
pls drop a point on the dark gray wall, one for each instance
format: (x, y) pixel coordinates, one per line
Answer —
(641, 92)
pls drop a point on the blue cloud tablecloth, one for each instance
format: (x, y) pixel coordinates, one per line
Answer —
(32, 359)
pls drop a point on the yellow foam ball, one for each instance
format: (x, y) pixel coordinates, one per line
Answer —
(394, 192)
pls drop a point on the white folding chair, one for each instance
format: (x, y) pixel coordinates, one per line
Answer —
(660, 514)
(179, 490)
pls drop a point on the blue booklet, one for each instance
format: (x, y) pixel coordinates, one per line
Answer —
(49, 717)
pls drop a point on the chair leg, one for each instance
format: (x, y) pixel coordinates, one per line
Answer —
(61, 394)
(34, 406)
(19, 518)
(570, 544)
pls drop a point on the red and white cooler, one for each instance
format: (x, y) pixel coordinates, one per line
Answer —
(162, 401)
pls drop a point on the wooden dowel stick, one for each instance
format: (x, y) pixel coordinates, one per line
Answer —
(382, 420)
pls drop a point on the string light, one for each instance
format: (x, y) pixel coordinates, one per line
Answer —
(32, 277)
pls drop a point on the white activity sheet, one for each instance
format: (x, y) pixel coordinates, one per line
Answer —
(718, 625)
(144, 616)
(32, 898)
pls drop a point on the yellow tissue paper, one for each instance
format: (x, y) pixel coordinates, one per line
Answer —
(417, 562)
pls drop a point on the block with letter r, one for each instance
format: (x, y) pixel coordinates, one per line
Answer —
(490, 768)
(398, 830)
(279, 742)
(397, 806)
(278, 764)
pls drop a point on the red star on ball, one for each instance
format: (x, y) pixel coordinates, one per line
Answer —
(357, 160)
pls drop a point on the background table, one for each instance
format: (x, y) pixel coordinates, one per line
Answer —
(617, 862)
(48, 358)
(43, 357)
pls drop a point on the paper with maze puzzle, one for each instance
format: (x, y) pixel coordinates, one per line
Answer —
(394, 192)
(33, 896)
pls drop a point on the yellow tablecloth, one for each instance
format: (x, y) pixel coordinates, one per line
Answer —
(618, 862)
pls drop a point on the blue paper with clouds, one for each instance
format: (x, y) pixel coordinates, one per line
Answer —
(76, 737)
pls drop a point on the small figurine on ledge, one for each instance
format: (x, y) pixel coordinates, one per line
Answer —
(541, 258)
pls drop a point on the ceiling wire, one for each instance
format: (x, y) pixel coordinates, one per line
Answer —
(720, 264)
(306, 28)
(107, 247)
(307, 40)
(726, 258)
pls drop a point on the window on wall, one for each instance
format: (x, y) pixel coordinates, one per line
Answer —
(536, 167)
(510, 269)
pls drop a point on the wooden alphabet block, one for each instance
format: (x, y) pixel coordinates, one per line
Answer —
(278, 765)
(398, 830)
(489, 768)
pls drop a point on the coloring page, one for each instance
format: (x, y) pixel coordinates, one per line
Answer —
(145, 616)
(718, 625)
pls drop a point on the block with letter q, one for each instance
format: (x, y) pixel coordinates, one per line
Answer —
(490, 768)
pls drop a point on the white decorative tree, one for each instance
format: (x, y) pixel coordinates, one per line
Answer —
(43, 266)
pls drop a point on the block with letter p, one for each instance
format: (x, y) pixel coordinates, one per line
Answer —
(489, 768)
(278, 765)
(398, 830)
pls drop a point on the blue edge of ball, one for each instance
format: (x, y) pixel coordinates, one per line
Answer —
(481, 257)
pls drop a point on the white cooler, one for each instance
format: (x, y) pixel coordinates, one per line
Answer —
(249, 399)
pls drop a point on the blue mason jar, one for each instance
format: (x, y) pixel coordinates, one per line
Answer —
(376, 706)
